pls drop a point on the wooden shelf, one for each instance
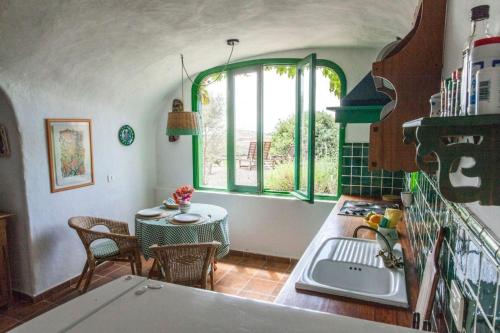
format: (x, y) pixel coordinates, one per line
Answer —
(443, 141)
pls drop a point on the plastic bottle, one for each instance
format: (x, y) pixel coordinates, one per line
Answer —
(453, 94)
(488, 90)
(479, 30)
(449, 96)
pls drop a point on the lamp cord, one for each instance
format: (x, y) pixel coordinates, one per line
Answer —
(184, 70)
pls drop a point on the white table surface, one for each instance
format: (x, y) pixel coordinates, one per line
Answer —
(115, 307)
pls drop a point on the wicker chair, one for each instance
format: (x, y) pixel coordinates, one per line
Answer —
(115, 245)
(186, 264)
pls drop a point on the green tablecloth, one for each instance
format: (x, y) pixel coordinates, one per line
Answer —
(162, 232)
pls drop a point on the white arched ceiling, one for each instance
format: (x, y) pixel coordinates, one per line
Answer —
(131, 48)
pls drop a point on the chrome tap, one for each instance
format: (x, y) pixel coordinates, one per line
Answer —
(388, 257)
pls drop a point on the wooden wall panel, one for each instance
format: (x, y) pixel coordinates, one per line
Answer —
(414, 69)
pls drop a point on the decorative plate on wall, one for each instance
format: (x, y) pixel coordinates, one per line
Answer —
(126, 135)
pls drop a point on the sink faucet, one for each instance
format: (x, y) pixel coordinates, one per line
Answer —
(388, 257)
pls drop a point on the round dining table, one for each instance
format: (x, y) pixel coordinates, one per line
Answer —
(213, 226)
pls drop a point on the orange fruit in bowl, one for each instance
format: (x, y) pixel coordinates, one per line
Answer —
(376, 218)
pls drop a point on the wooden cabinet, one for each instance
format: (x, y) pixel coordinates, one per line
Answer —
(414, 69)
(5, 286)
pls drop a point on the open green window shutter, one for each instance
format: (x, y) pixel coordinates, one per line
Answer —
(245, 130)
(305, 129)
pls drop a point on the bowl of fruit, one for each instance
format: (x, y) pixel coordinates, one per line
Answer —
(373, 219)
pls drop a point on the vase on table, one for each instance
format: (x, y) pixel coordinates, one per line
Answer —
(184, 206)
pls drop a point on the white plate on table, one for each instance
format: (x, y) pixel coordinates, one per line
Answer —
(149, 212)
(187, 218)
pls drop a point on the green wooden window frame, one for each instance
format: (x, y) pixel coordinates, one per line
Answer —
(308, 194)
(231, 187)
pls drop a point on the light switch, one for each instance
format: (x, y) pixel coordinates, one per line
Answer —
(457, 305)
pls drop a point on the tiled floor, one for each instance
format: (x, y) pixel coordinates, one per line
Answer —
(250, 277)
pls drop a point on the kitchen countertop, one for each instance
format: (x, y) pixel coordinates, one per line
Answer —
(343, 226)
(115, 307)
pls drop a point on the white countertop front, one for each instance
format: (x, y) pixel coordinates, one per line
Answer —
(115, 307)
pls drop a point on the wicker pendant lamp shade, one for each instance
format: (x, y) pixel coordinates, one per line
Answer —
(182, 122)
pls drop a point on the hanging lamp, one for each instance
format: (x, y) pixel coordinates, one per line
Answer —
(181, 122)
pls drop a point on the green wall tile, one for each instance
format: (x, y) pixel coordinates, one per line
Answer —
(463, 257)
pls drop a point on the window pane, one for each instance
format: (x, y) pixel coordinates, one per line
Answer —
(279, 127)
(245, 128)
(327, 132)
(304, 130)
(213, 146)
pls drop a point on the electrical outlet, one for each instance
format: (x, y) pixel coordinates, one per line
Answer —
(457, 305)
(111, 178)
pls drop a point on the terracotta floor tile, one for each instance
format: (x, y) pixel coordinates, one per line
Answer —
(234, 280)
(261, 286)
(278, 288)
(277, 266)
(7, 323)
(99, 282)
(270, 275)
(64, 295)
(226, 290)
(257, 296)
(122, 271)
(26, 311)
(108, 269)
(253, 262)
(232, 258)
(244, 269)
(219, 274)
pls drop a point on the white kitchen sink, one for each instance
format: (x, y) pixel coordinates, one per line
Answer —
(349, 267)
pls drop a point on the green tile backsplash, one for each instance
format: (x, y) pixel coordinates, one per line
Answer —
(470, 255)
(357, 180)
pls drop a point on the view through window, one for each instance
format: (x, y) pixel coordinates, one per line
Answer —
(274, 88)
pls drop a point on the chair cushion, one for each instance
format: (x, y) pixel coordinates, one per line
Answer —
(104, 248)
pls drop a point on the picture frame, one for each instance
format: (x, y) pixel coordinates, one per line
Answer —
(70, 152)
(4, 142)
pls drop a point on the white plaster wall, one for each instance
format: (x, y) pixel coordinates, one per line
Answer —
(278, 226)
(56, 252)
(259, 224)
(55, 246)
(456, 33)
(13, 200)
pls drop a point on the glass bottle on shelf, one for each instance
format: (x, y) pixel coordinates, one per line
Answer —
(458, 74)
(479, 29)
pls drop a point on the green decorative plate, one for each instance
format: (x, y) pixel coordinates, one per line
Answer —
(126, 135)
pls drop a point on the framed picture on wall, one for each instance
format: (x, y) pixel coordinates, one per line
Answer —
(4, 142)
(71, 163)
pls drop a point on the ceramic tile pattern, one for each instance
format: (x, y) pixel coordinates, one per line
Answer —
(245, 276)
(357, 180)
(470, 255)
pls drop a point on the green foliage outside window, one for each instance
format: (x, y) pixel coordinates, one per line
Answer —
(282, 137)
(291, 71)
